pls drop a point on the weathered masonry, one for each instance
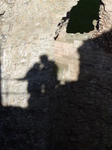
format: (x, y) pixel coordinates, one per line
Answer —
(55, 94)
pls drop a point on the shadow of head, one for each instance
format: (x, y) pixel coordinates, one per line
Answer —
(44, 59)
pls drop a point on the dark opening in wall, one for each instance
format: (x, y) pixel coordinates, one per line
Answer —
(82, 16)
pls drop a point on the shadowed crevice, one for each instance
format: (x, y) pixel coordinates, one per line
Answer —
(82, 16)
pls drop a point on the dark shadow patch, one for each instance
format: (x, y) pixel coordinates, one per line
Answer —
(82, 16)
(74, 116)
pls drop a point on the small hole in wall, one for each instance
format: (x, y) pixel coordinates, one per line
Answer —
(83, 16)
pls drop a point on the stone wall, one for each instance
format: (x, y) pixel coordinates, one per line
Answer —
(27, 31)
(55, 94)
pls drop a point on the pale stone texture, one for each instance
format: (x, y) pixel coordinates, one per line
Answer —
(32, 28)
(3, 6)
(5, 29)
(67, 105)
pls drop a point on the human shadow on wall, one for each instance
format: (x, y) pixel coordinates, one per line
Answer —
(76, 115)
(26, 128)
(42, 78)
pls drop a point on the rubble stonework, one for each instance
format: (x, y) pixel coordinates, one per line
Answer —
(104, 26)
(55, 94)
(105, 16)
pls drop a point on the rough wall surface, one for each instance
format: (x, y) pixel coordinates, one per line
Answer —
(28, 28)
(55, 95)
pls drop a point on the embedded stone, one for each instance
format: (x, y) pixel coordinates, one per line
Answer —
(5, 29)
